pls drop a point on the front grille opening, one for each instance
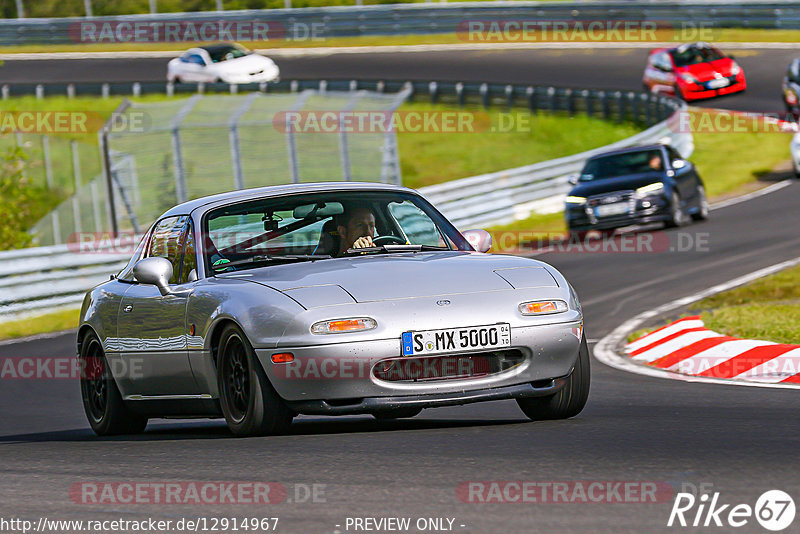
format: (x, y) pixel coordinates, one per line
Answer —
(448, 366)
(546, 383)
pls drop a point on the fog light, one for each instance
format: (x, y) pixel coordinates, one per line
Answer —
(543, 307)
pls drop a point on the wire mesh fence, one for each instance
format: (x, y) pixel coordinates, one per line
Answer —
(163, 153)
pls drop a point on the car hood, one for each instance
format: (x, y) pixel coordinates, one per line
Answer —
(244, 64)
(705, 71)
(399, 276)
(619, 183)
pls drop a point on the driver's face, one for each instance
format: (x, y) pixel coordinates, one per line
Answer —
(360, 224)
(655, 162)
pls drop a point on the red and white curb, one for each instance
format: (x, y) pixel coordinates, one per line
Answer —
(660, 355)
(688, 347)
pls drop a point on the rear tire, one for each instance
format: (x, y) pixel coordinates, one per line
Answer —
(702, 208)
(397, 413)
(250, 404)
(570, 400)
(102, 402)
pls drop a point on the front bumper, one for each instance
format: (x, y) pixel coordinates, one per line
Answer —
(541, 388)
(699, 91)
(578, 220)
(344, 371)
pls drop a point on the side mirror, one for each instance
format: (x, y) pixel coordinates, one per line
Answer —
(154, 271)
(679, 164)
(572, 179)
(481, 240)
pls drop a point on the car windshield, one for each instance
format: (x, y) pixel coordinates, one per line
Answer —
(225, 52)
(694, 55)
(622, 164)
(322, 226)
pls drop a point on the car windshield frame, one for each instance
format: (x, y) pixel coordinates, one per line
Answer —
(695, 55)
(258, 244)
(604, 162)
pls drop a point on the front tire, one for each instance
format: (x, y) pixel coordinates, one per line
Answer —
(676, 212)
(570, 400)
(102, 402)
(702, 205)
(250, 404)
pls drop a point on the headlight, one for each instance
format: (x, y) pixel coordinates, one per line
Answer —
(543, 307)
(688, 78)
(339, 326)
(651, 188)
(736, 69)
(575, 200)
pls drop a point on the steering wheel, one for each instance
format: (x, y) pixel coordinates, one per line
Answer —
(388, 240)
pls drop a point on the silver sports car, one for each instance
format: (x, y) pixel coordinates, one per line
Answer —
(326, 299)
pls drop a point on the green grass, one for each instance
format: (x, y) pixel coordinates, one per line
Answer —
(50, 322)
(431, 158)
(767, 309)
(729, 35)
(728, 161)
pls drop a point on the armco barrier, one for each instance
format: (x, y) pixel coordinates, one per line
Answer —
(46, 277)
(396, 19)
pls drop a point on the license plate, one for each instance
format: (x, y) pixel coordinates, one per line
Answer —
(716, 84)
(611, 209)
(456, 339)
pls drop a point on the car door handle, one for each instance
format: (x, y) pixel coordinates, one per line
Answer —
(127, 309)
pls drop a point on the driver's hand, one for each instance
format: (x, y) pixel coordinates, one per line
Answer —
(363, 242)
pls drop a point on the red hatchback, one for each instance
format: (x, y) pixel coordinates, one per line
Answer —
(693, 71)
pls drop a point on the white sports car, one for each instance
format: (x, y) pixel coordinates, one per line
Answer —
(228, 63)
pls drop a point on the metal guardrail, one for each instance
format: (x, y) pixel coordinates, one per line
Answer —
(45, 277)
(398, 19)
(619, 105)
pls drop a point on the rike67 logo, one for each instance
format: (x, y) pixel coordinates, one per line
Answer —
(774, 510)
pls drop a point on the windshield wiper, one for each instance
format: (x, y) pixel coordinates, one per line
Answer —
(388, 249)
(271, 258)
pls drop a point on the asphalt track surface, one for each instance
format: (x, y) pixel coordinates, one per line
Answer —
(742, 441)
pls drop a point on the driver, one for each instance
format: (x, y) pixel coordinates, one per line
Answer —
(356, 227)
(655, 162)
